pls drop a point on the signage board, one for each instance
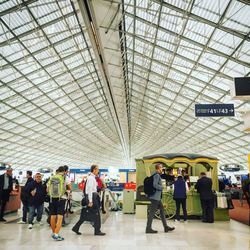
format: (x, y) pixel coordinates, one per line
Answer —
(208, 110)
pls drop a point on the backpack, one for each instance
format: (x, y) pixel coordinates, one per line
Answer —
(56, 186)
(148, 185)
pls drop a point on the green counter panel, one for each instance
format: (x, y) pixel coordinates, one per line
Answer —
(221, 214)
(194, 206)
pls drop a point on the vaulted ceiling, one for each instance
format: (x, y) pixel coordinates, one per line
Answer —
(106, 82)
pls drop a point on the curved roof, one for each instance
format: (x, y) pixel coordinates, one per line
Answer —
(105, 82)
(175, 155)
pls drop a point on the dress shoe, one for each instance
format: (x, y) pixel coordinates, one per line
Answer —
(77, 232)
(151, 231)
(100, 234)
(167, 229)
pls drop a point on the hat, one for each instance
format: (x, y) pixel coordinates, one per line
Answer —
(9, 168)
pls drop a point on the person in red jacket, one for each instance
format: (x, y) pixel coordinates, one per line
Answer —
(101, 188)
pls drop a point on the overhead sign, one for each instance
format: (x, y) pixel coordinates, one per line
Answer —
(205, 110)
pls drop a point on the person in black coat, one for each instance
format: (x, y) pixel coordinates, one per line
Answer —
(180, 197)
(204, 188)
(24, 198)
(5, 190)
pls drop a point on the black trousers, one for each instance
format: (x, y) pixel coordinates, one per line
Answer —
(153, 207)
(25, 211)
(89, 214)
(103, 201)
(207, 210)
(4, 199)
(179, 203)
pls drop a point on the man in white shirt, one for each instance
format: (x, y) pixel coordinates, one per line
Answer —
(92, 212)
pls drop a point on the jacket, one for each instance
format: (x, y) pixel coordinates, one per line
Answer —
(204, 188)
(157, 183)
(10, 186)
(180, 191)
(39, 197)
(25, 195)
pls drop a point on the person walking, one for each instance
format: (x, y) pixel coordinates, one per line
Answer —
(204, 188)
(36, 195)
(93, 204)
(6, 188)
(24, 198)
(180, 197)
(156, 202)
(57, 187)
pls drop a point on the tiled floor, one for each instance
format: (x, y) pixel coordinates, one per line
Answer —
(124, 232)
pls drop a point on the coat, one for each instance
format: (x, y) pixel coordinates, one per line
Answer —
(25, 195)
(10, 187)
(157, 183)
(180, 191)
(204, 188)
(39, 197)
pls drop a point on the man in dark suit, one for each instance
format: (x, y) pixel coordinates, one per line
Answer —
(25, 198)
(204, 188)
(5, 190)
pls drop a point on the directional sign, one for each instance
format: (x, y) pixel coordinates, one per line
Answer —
(204, 110)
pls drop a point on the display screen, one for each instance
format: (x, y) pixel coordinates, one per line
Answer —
(242, 86)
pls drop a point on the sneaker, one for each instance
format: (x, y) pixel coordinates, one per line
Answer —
(30, 226)
(177, 221)
(21, 222)
(40, 223)
(2, 219)
(58, 238)
(185, 221)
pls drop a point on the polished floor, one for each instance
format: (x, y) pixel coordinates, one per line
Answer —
(125, 232)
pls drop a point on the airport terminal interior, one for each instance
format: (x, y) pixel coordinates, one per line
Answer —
(148, 98)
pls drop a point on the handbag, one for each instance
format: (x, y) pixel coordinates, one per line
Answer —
(85, 201)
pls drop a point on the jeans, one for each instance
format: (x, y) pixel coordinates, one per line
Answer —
(39, 210)
(153, 207)
(179, 203)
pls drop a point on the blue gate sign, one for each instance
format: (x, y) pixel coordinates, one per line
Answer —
(204, 110)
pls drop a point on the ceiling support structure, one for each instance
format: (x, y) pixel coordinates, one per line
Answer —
(87, 15)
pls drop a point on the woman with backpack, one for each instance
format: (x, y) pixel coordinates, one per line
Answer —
(180, 197)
